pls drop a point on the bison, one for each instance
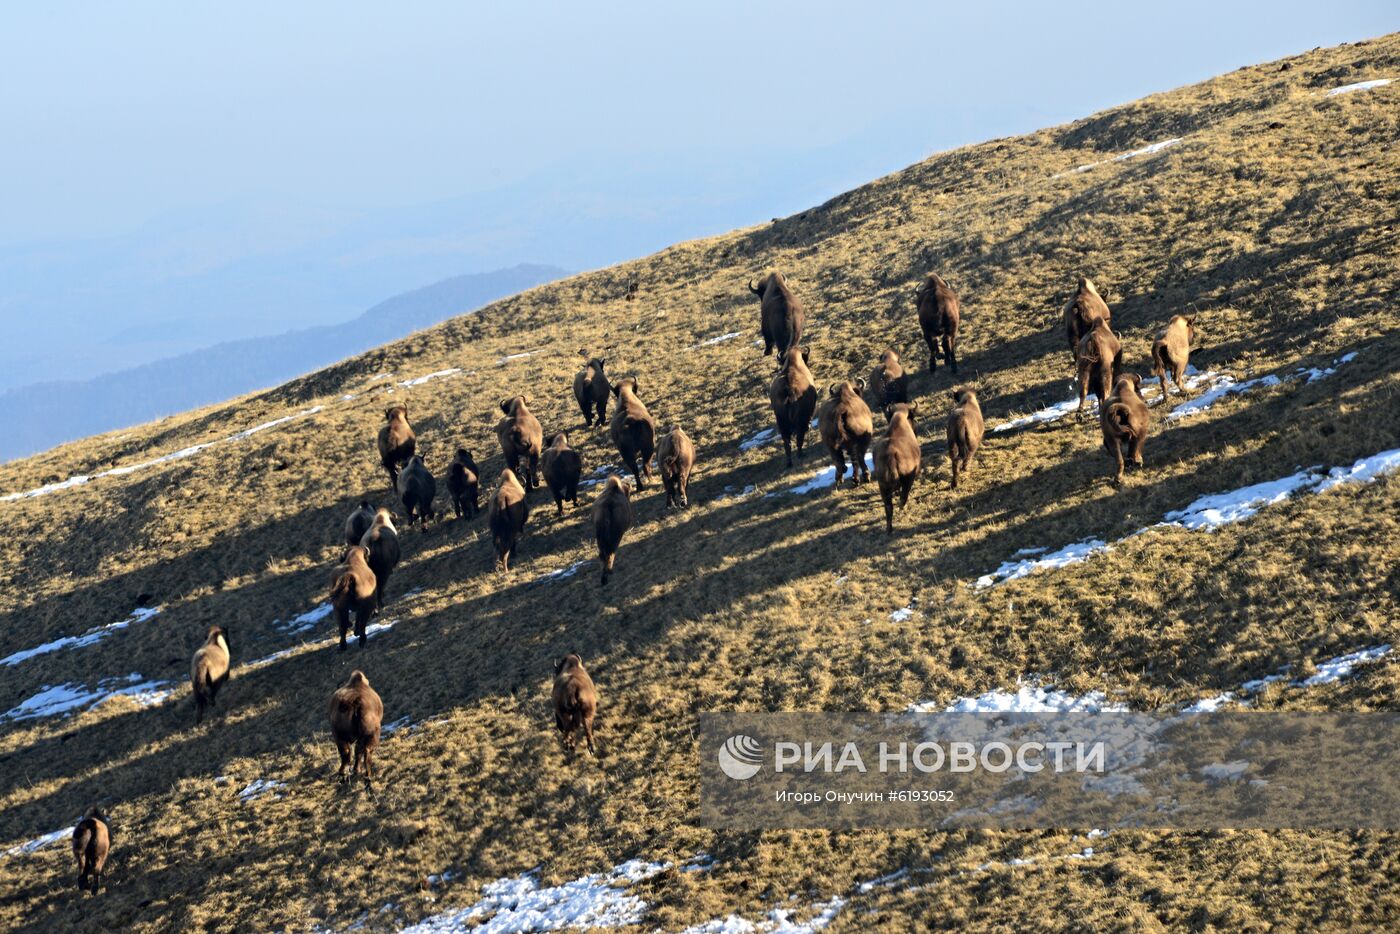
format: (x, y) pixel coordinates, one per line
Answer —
(417, 490)
(612, 517)
(396, 442)
(939, 317)
(91, 841)
(964, 431)
(846, 426)
(675, 458)
(1081, 311)
(209, 670)
(522, 439)
(562, 466)
(1100, 363)
(889, 382)
(506, 516)
(591, 390)
(1171, 351)
(359, 522)
(356, 713)
(381, 540)
(897, 459)
(575, 701)
(781, 317)
(633, 430)
(1124, 420)
(464, 484)
(353, 587)
(794, 398)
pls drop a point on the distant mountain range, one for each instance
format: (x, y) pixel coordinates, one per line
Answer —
(38, 416)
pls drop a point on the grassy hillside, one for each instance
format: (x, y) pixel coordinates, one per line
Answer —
(1273, 219)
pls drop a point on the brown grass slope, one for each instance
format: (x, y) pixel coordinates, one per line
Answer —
(1273, 220)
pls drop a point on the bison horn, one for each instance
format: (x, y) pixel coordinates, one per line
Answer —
(754, 290)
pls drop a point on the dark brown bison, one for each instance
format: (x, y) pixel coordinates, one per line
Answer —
(591, 390)
(889, 382)
(965, 428)
(396, 442)
(506, 516)
(675, 458)
(209, 670)
(1124, 420)
(353, 588)
(356, 714)
(359, 522)
(575, 702)
(781, 317)
(417, 490)
(793, 395)
(1172, 351)
(464, 484)
(381, 540)
(940, 315)
(562, 467)
(633, 430)
(522, 439)
(897, 459)
(846, 426)
(1100, 363)
(612, 517)
(91, 841)
(1084, 308)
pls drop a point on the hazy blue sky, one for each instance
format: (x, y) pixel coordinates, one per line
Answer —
(151, 144)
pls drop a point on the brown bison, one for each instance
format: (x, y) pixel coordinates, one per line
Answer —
(633, 430)
(464, 484)
(575, 702)
(396, 441)
(940, 315)
(612, 517)
(209, 670)
(591, 390)
(1124, 420)
(522, 439)
(889, 382)
(675, 458)
(793, 395)
(1172, 350)
(964, 431)
(1100, 363)
(897, 459)
(1081, 311)
(353, 588)
(562, 467)
(91, 841)
(381, 540)
(781, 317)
(846, 426)
(506, 516)
(417, 490)
(356, 713)
(359, 522)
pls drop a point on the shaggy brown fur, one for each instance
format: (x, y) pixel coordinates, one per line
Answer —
(382, 543)
(353, 587)
(846, 426)
(417, 490)
(359, 522)
(1172, 351)
(356, 714)
(612, 517)
(675, 458)
(633, 430)
(522, 439)
(965, 428)
(1100, 363)
(940, 316)
(889, 382)
(464, 484)
(209, 670)
(562, 467)
(1125, 420)
(1084, 308)
(897, 459)
(591, 390)
(396, 442)
(575, 702)
(91, 841)
(793, 396)
(781, 317)
(506, 516)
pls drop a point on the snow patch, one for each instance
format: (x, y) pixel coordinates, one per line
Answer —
(1123, 157)
(1225, 771)
(709, 342)
(305, 621)
(1063, 557)
(560, 574)
(138, 615)
(428, 378)
(63, 699)
(38, 843)
(1028, 698)
(518, 356)
(1358, 86)
(760, 437)
(824, 479)
(260, 787)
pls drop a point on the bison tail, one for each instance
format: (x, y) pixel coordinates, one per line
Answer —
(342, 588)
(1119, 413)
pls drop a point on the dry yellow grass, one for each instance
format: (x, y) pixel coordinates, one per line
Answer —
(1273, 219)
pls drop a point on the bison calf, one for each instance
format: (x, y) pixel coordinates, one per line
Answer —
(633, 430)
(353, 588)
(417, 490)
(1172, 351)
(1124, 420)
(356, 714)
(91, 841)
(464, 484)
(209, 670)
(964, 431)
(940, 316)
(846, 427)
(889, 383)
(612, 517)
(675, 457)
(521, 439)
(562, 467)
(591, 390)
(897, 459)
(575, 702)
(382, 542)
(506, 516)
(396, 442)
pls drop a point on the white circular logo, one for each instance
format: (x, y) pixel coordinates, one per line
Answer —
(740, 757)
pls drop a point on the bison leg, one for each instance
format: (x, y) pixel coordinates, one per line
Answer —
(344, 749)
(685, 485)
(906, 485)
(1083, 391)
(839, 460)
(342, 620)
(787, 447)
(1117, 450)
(932, 352)
(1137, 451)
(953, 463)
(887, 495)
(362, 614)
(858, 462)
(588, 735)
(950, 347)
